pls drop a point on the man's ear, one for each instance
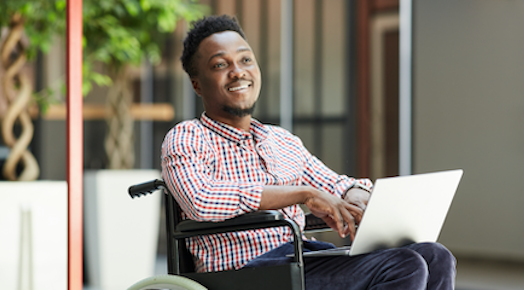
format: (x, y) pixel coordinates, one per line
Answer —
(196, 86)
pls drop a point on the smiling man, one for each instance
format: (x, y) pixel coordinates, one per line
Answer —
(227, 163)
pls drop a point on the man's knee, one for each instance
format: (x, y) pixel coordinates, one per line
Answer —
(435, 253)
(409, 260)
(406, 267)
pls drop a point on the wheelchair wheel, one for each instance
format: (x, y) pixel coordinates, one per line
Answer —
(171, 282)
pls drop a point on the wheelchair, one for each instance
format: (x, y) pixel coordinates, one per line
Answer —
(180, 266)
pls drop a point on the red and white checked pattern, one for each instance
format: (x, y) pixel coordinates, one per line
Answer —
(217, 172)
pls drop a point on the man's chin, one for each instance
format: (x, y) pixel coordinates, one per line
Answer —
(239, 112)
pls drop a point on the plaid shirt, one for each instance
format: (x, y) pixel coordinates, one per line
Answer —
(217, 172)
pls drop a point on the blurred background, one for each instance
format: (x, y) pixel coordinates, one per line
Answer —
(374, 88)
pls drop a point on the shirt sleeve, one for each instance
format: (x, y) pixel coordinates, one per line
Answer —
(187, 160)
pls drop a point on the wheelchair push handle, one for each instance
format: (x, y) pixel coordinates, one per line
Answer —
(146, 188)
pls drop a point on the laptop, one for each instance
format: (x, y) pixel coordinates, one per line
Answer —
(400, 211)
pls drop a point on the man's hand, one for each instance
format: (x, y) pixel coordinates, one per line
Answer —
(336, 212)
(358, 197)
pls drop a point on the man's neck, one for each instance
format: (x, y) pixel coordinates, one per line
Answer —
(242, 123)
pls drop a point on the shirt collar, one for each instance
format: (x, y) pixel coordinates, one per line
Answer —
(258, 130)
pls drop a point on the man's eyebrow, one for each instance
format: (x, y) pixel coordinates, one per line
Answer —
(242, 49)
(216, 55)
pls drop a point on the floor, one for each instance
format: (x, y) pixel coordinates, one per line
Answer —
(472, 274)
(475, 274)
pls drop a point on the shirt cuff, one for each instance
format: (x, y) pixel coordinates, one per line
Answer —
(250, 196)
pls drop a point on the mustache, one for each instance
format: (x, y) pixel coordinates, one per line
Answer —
(243, 79)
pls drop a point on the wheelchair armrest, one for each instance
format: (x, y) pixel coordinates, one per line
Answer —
(245, 219)
(312, 222)
(249, 221)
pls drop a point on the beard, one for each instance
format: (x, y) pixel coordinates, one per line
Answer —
(237, 112)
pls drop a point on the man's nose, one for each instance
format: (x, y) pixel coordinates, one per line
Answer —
(237, 72)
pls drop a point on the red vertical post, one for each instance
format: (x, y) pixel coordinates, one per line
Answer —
(75, 137)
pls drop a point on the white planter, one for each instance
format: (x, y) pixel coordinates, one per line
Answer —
(33, 242)
(121, 233)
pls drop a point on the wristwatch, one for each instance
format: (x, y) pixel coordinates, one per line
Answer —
(361, 186)
(357, 185)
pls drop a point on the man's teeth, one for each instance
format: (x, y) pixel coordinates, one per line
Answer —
(238, 88)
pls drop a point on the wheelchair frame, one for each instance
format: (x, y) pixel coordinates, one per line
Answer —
(286, 277)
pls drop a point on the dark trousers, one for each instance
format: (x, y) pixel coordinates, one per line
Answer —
(416, 266)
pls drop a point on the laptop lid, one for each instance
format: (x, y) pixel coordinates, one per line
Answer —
(403, 210)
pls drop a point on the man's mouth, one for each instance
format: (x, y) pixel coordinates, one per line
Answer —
(242, 86)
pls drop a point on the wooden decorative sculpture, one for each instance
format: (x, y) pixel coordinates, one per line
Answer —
(17, 89)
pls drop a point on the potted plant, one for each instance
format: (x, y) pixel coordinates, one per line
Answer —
(120, 34)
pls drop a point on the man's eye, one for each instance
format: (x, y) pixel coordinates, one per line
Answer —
(220, 65)
(247, 60)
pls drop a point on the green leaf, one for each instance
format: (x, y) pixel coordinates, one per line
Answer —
(100, 79)
(86, 88)
(146, 5)
(132, 7)
(61, 5)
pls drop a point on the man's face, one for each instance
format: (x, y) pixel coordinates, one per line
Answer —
(228, 78)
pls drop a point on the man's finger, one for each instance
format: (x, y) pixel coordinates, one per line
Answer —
(359, 204)
(349, 224)
(339, 220)
(356, 212)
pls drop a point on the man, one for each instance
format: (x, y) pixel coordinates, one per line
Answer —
(226, 164)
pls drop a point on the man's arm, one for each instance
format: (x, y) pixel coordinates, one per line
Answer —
(187, 170)
(336, 212)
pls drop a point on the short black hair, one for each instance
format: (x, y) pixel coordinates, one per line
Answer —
(201, 29)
